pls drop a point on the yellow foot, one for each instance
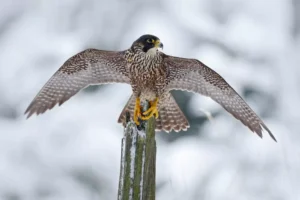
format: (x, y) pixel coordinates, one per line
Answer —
(137, 111)
(151, 111)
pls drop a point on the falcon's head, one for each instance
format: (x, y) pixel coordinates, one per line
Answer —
(148, 43)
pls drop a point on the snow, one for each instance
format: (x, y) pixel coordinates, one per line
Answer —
(121, 179)
(73, 151)
(132, 161)
(142, 173)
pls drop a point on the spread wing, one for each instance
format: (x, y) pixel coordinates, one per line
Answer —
(194, 76)
(86, 68)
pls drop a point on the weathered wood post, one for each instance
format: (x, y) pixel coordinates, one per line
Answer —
(138, 160)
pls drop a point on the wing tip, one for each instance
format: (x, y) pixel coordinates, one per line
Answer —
(260, 129)
(268, 130)
(38, 109)
(28, 112)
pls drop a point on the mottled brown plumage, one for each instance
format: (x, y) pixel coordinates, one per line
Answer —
(151, 74)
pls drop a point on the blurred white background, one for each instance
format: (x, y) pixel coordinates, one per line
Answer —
(73, 151)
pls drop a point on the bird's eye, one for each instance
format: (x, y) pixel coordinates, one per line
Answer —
(150, 41)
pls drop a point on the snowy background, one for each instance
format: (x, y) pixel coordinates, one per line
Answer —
(73, 151)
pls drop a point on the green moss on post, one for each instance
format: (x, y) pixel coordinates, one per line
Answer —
(138, 162)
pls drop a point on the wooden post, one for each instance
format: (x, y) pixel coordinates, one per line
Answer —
(138, 161)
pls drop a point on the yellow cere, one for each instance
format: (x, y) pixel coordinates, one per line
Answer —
(156, 44)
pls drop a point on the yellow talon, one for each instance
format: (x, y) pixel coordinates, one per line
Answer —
(151, 111)
(137, 111)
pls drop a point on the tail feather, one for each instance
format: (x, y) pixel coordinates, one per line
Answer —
(170, 116)
(129, 107)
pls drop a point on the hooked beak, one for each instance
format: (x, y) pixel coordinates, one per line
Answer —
(158, 44)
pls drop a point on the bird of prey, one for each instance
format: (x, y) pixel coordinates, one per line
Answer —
(152, 75)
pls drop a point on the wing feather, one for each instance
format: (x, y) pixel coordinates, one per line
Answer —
(86, 68)
(192, 75)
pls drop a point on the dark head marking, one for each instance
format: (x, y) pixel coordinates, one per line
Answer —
(148, 42)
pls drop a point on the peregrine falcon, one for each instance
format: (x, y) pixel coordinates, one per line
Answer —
(152, 75)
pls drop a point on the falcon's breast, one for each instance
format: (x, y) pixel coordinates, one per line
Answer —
(147, 73)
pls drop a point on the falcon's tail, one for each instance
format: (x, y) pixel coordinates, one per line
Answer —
(129, 107)
(170, 116)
